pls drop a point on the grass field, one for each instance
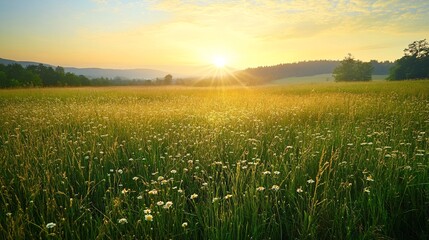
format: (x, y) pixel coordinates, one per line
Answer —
(319, 161)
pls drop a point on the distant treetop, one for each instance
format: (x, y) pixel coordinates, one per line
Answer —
(353, 70)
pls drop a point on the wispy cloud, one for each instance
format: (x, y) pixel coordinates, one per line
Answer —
(248, 32)
(274, 18)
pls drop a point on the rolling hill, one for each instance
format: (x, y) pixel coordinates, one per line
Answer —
(139, 73)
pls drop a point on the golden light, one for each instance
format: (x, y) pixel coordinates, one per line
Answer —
(219, 61)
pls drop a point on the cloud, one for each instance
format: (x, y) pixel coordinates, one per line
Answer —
(192, 31)
(267, 18)
(254, 32)
(270, 20)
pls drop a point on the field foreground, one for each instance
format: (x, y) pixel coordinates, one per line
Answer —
(324, 161)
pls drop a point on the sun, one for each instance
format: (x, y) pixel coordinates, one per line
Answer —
(219, 61)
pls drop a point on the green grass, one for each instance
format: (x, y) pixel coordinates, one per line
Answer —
(317, 161)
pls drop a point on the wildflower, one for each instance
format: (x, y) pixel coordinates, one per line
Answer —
(366, 190)
(51, 225)
(275, 187)
(147, 211)
(135, 178)
(266, 172)
(160, 203)
(369, 178)
(120, 171)
(173, 171)
(125, 191)
(140, 197)
(260, 189)
(153, 192)
(299, 190)
(228, 196)
(148, 217)
(168, 205)
(276, 172)
(215, 199)
(193, 196)
(160, 178)
(310, 181)
(180, 191)
(205, 184)
(122, 221)
(184, 225)
(342, 163)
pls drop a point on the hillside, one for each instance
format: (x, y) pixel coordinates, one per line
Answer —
(99, 72)
(304, 69)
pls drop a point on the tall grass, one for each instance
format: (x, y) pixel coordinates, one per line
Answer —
(326, 161)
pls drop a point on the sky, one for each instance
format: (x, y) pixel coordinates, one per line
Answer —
(181, 34)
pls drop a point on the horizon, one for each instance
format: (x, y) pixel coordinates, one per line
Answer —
(179, 36)
(202, 66)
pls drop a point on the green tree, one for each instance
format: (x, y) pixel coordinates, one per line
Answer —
(60, 70)
(4, 82)
(353, 70)
(414, 64)
(168, 79)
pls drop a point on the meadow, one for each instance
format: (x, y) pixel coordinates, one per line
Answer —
(314, 161)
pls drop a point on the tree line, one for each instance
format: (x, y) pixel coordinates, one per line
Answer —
(307, 68)
(413, 65)
(15, 75)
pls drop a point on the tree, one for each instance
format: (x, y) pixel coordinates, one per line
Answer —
(414, 64)
(353, 70)
(60, 70)
(4, 81)
(168, 79)
(417, 49)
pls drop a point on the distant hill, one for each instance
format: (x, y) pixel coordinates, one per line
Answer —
(258, 75)
(304, 69)
(117, 73)
(100, 72)
(23, 63)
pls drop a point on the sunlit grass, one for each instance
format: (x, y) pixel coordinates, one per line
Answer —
(321, 161)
